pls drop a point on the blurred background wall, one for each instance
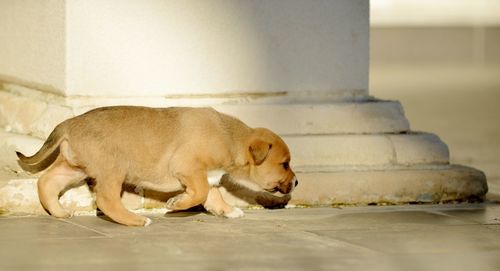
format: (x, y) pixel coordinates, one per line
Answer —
(441, 59)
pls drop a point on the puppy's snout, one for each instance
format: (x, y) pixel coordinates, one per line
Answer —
(287, 187)
(294, 182)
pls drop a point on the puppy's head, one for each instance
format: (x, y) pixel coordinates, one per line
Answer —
(269, 160)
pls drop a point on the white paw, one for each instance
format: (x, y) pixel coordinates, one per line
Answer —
(147, 222)
(62, 214)
(170, 203)
(235, 213)
(168, 210)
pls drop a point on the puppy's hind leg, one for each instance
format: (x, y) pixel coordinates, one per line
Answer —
(50, 185)
(108, 189)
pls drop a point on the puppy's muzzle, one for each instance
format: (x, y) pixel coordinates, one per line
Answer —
(287, 187)
(294, 182)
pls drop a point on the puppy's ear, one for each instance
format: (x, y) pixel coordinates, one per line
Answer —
(259, 150)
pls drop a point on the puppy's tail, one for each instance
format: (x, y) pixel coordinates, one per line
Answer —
(46, 155)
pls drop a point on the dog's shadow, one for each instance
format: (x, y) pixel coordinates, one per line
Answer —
(263, 198)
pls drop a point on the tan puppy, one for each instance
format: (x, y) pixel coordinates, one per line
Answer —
(164, 149)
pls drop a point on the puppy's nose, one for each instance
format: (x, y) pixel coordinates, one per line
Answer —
(296, 183)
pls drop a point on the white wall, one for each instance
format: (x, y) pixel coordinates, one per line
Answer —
(32, 43)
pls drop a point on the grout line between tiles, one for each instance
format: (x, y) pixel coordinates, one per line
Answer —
(87, 228)
(466, 221)
(348, 244)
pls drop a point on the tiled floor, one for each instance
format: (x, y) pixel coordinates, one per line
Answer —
(423, 237)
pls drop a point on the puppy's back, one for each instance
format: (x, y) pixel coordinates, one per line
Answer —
(143, 135)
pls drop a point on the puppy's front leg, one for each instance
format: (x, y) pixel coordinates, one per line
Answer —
(195, 194)
(216, 205)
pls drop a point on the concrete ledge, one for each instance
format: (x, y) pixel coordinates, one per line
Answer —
(10, 143)
(419, 148)
(38, 121)
(337, 118)
(403, 185)
(351, 187)
(285, 116)
(366, 150)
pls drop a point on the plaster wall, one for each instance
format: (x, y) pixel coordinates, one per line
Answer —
(160, 48)
(32, 44)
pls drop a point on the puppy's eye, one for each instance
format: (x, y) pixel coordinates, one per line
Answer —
(285, 165)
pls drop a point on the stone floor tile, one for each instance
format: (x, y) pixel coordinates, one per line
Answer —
(184, 242)
(418, 239)
(489, 215)
(294, 213)
(484, 261)
(422, 237)
(364, 220)
(109, 228)
(41, 228)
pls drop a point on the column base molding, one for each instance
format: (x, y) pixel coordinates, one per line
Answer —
(352, 150)
(414, 185)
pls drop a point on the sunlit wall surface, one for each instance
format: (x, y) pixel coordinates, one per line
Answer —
(435, 12)
(156, 47)
(32, 43)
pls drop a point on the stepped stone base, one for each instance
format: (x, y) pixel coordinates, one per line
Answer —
(437, 184)
(356, 187)
(389, 182)
(345, 150)
(284, 113)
